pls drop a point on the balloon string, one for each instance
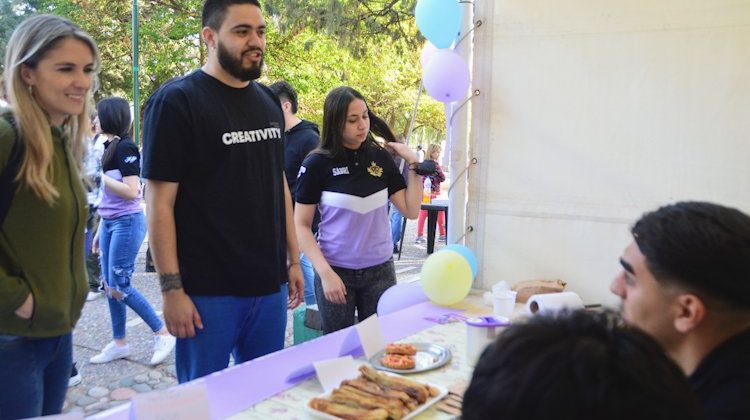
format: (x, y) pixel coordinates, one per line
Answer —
(455, 111)
(414, 113)
(473, 27)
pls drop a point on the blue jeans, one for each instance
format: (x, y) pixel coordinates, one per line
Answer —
(309, 274)
(119, 239)
(246, 327)
(397, 220)
(35, 373)
(93, 267)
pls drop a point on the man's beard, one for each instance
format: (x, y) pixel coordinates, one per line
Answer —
(234, 66)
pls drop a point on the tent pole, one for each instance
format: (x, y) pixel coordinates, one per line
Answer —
(458, 136)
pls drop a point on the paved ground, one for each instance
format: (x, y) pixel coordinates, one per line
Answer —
(113, 383)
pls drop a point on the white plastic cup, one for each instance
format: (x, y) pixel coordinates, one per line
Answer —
(481, 332)
(503, 304)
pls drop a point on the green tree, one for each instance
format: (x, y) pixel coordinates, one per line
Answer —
(316, 45)
(12, 12)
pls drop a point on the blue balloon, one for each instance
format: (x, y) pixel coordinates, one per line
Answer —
(439, 21)
(466, 253)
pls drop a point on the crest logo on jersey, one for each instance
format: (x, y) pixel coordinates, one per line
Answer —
(375, 170)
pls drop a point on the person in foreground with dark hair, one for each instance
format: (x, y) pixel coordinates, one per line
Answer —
(300, 138)
(121, 233)
(351, 178)
(219, 209)
(686, 282)
(577, 365)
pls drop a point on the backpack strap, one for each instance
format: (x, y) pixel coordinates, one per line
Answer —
(8, 184)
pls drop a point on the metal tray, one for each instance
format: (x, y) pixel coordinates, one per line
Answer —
(428, 357)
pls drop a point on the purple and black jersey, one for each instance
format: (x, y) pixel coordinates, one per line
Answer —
(352, 196)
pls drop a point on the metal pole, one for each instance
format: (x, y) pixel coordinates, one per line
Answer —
(414, 114)
(136, 100)
(457, 120)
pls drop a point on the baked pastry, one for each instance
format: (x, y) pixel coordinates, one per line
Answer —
(398, 348)
(398, 361)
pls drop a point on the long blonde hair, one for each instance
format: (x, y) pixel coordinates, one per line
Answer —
(30, 41)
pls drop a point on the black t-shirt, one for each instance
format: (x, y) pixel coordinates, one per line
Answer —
(722, 380)
(126, 158)
(224, 146)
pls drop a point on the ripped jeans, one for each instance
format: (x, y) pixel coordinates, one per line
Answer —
(119, 240)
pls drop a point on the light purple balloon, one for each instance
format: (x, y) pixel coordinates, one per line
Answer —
(401, 296)
(446, 76)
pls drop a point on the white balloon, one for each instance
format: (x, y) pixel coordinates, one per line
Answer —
(426, 55)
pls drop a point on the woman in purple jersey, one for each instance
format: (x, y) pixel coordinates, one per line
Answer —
(121, 232)
(350, 178)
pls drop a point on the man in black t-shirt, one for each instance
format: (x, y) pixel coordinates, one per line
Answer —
(302, 137)
(686, 282)
(219, 208)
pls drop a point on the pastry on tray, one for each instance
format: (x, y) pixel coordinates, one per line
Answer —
(375, 395)
(398, 361)
(400, 348)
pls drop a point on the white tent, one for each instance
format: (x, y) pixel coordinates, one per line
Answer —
(590, 113)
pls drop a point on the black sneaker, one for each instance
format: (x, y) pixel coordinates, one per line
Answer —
(75, 376)
(395, 249)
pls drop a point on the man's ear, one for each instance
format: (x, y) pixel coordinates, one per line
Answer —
(286, 106)
(209, 37)
(691, 311)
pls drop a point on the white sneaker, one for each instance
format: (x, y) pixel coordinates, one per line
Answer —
(163, 345)
(75, 377)
(93, 296)
(111, 352)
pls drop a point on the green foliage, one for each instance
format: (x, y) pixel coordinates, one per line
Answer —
(315, 45)
(12, 12)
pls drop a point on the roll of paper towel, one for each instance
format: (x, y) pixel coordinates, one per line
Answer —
(550, 302)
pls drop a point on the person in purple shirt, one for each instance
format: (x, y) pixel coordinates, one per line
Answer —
(121, 232)
(350, 179)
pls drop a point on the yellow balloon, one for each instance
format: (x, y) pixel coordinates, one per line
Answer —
(446, 277)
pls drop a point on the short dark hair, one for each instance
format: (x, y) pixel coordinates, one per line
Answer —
(214, 11)
(577, 365)
(285, 91)
(114, 116)
(335, 107)
(700, 246)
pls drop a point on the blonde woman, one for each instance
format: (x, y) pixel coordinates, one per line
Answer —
(50, 65)
(437, 177)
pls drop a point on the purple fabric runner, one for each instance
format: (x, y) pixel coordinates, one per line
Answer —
(239, 387)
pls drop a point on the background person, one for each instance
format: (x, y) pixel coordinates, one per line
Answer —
(219, 209)
(123, 228)
(50, 65)
(686, 282)
(436, 177)
(350, 179)
(93, 182)
(301, 137)
(397, 219)
(577, 366)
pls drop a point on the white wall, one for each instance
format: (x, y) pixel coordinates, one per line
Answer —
(593, 112)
